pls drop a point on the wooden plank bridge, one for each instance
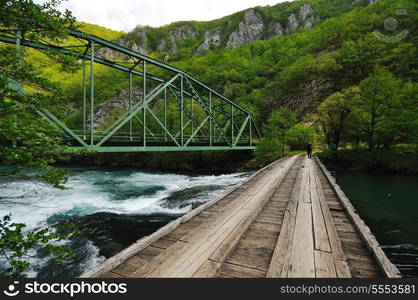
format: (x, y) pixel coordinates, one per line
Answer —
(289, 219)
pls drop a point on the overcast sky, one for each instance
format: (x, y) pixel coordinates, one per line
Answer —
(126, 14)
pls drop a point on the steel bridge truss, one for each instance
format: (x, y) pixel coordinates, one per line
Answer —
(174, 112)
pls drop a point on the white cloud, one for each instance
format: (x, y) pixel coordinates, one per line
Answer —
(126, 14)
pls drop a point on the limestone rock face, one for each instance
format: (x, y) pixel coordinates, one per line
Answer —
(276, 29)
(250, 29)
(292, 24)
(211, 39)
(305, 10)
(182, 33)
(305, 19)
(115, 105)
(309, 22)
(137, 41)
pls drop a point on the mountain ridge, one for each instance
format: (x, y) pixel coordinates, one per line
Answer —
(182, 39)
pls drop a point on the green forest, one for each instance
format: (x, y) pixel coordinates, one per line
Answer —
(352, 94)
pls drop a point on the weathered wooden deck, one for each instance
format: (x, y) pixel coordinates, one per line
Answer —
(289, 219)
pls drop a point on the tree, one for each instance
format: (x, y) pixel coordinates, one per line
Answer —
(299, 136)
(16, 245)
(378, 100)
(334, 114)
(278, 124)
(267, 150)
(26, 140)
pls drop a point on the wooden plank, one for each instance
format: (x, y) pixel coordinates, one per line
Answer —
(386, 266)
(163, 243)
(343, 270)
(340, 259)
(111, 275)
(321, 238)
(250, 258)
(208, 270)
(281, 256)
(214, 221)
(240, 271)
(359, 273)
(173, 251)
(305, 195)
(280, 251)
(257, 224)
(324, 265)
(125, 269)
(302, 263)
(334, 240)
(265, 242)
(234, 237)
(364, 265)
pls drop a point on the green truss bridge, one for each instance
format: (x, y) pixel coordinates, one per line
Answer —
(167, 109)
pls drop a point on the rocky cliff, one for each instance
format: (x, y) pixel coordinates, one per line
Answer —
(241, 28)
(244, 27)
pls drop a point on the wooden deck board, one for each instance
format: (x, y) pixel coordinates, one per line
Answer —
(287, 220)
(302, 263)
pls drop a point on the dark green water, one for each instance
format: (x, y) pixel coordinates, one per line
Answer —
(388, 204)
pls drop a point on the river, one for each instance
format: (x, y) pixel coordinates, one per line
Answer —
(388, 204)
(113, 208)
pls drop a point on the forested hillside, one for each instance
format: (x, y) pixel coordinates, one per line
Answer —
(312, 57)
(180, 40)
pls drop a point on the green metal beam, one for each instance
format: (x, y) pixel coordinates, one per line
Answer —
(162, 125)
(208, 106)
(129, 52)
(122, 121)
(204, 106)
(126, 114)
(54, 121)
(186, 110)
(184, 127)
(140, 122)
(241, 131)
(197, 130)
(159, 148)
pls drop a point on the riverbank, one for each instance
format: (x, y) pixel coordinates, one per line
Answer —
(190, 162)
(399, 160)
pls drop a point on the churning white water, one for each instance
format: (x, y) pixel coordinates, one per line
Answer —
(106, 204)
